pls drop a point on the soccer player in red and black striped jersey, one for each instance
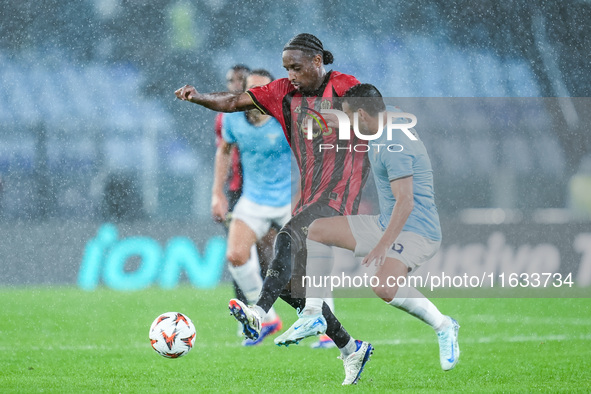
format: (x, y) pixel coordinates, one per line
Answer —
(222, 203)
(334, 178)
(331, 180)
(235, 81)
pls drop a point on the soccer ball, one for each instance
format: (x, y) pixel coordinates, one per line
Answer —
(172, 334)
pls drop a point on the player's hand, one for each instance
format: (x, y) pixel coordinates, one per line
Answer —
(186, 93)
(377, 256)
(219, 208)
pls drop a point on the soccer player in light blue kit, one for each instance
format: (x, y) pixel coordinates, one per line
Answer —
(404, 235)
(266, 193)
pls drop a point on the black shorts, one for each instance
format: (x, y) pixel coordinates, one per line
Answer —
(297, 228)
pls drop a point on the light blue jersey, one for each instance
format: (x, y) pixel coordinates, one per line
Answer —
(399, 158)
(265, 157)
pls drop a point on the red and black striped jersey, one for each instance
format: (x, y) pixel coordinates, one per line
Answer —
(331, 176)
(235, 172)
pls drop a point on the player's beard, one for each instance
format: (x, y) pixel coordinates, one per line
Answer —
(305, 91)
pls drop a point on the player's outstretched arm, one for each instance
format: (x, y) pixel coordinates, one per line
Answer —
(219, 101)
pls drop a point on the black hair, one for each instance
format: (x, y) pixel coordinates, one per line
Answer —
(240, 67)
(366, 97)
(262, 73)
(309, 44)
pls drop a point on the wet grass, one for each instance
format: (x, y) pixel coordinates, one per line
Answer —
(62, 339)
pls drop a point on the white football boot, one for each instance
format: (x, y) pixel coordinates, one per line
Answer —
(248, 317)
(306, 326)
(355, 362)
(449, 349)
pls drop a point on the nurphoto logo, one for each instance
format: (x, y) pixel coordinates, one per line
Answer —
(402, 121)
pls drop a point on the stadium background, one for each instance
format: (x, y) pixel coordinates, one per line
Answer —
(90, 131)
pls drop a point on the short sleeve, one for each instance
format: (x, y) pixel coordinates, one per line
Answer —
(269, 98)
(343, 82)
(397, 164)
(227, 133)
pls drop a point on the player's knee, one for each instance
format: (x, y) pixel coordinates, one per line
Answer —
(315, 231)
(237, 257)
(385, 293)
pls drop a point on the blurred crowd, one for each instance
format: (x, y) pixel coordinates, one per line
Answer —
(89, 127)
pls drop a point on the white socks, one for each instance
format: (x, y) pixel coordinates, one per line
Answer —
(349, 348)
(264, 315)
(319, 265)
(248, 278)
(413, 302)
(313, 306)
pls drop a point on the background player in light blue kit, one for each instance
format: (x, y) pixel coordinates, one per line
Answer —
(266, 192)
(221, 209)
(404, 235)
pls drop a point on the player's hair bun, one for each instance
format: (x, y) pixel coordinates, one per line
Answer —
(309, 43)
(327, 57)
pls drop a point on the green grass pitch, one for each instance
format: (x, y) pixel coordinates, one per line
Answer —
(62, 339)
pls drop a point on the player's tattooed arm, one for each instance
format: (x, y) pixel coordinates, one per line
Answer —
(218, 101)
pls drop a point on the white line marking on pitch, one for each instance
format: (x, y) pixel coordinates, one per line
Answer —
(574, 321)
(495, 339)
(381, 342)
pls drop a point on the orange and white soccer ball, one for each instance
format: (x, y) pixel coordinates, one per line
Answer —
(172, 334)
